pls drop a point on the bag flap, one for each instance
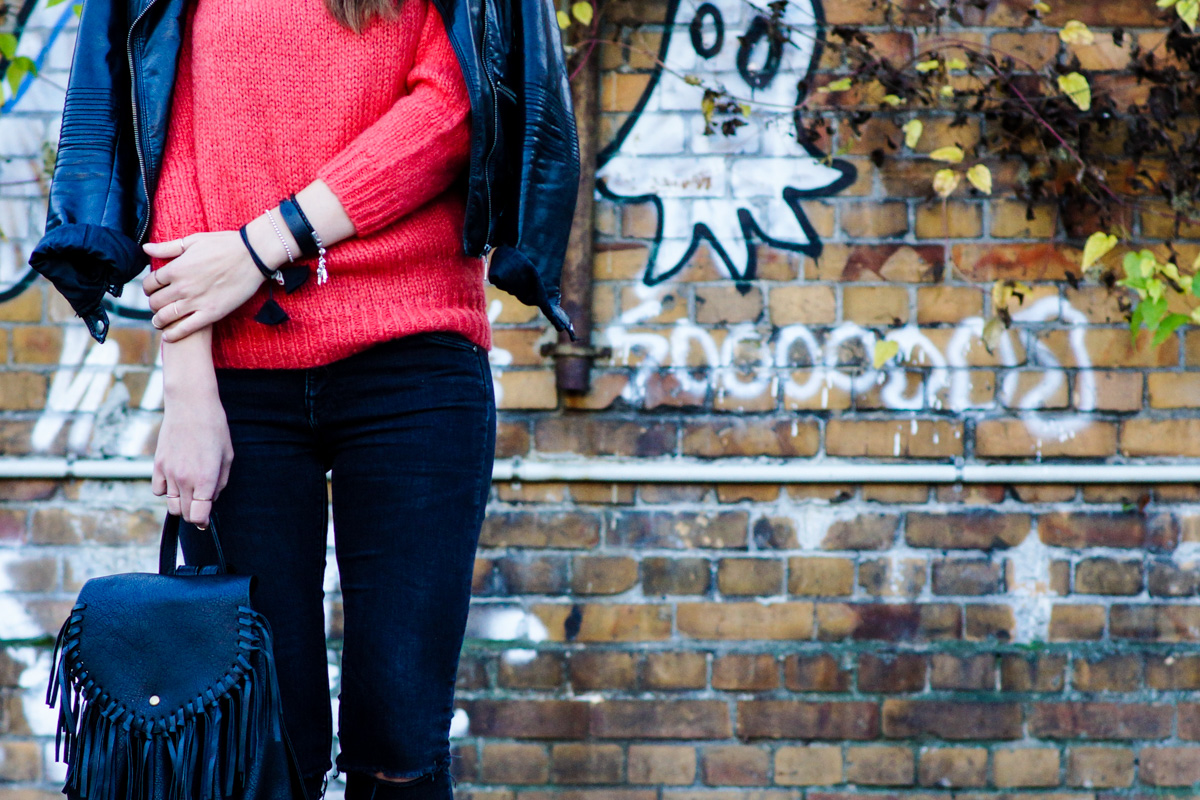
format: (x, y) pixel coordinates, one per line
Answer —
(160, 645)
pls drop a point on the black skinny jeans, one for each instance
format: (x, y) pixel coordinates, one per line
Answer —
(407, 428)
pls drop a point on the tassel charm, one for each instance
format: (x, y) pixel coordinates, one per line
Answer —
(271, 313)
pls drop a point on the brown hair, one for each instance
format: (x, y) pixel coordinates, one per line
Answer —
(355, 14)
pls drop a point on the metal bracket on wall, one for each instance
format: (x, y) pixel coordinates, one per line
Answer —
(575, 350)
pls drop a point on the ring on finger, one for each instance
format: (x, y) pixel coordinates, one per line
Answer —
(157, 280)
(175, 309)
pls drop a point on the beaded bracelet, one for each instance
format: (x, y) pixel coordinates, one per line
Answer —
(287, 249)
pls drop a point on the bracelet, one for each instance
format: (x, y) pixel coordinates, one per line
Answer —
(279, 233)
(298, 225)
(258, 262)
(322, 272)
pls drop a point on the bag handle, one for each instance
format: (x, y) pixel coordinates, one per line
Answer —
(169, 545)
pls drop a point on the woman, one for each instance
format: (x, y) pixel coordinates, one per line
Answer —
(378, 374)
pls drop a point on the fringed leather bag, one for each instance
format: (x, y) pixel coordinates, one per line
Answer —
(168, 688)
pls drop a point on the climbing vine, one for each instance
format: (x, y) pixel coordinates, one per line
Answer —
(1100, 146)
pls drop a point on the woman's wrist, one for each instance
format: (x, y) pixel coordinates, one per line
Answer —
(188, 370)
(268, 243)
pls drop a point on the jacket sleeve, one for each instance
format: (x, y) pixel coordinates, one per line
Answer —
(96, 206)
(177, 208)
(529, 265)
(416, 149)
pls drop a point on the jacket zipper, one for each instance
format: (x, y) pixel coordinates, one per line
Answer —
(487, 183)
(137, 138)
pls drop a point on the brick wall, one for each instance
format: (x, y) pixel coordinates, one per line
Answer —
(733, 640)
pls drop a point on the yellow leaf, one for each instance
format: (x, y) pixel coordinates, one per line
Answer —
(1196, 264)
(1165, 3)
(582, 11)
(912, 132)
(1099, 244)
(956, 63)
(1076, 87)
(1196, 315)
(840, 85)
(947, 91)
(1045, 9)
(1002, 292)
(928, 66)
(885, 351)
(707, 106)
(945, 181)
(1188, 11)
(564, 21)
(692, 80)
(952, 154)
(981, 178)
(892, 100)
(1075, 32)
(744, 108)
(993, 329)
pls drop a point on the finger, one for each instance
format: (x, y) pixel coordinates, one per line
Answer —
(222, 478)
(158, 482)
(169, 249)
(172, 497)
(200, 512)
(201, 504)
(163, 298)
(184, 327)
(168, 315)
(156, 281)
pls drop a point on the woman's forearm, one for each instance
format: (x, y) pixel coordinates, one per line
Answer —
(188, 366)
(324, 212)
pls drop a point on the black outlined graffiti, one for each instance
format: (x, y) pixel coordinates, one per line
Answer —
(737, 190)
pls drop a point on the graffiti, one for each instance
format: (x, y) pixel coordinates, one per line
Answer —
(746, 364)
(730, 191)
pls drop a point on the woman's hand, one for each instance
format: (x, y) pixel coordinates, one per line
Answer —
(194, 451)
(209, 275)
(191, 461)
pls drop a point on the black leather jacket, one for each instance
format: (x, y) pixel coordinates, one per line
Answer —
(521, 181)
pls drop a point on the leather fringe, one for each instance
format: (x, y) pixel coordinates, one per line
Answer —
(200, 752)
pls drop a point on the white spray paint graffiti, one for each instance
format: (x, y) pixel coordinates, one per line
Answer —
(728, 373)
(735, 190)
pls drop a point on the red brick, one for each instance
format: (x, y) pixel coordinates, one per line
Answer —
(509, 762)
(809, 765)
(819, 673)
(951, 720)
(680, 530)
(602, 669)
(661, 764)
(745, 620)
(745, 672)
(797, 719)
(1166, 623)
(586, 763)
(888, 621)
(528, 719)
(740, 437)
(952, 767)
(1075, 530)
(978, 530)
(1169, 766)
(1044, 673)
(665, 719)
(680, 670)
(536, 529)
(880, 766)
(1027, 767)
(1108, 674)
(734, 765)
(1099, 721)
(864, 532)
(891, 673)
(963, 673)
(1100, 767)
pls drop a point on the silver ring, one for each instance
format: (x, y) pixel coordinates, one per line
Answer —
(157, 279)
(172, 497)
(175, 308)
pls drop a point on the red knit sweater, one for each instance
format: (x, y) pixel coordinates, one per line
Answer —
(270, 96)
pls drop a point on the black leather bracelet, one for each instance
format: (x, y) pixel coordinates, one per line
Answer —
(297, 223)
(268, 273)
